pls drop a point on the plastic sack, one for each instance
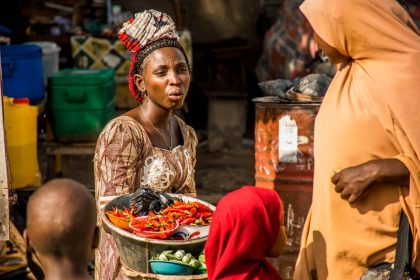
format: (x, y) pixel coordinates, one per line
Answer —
(145, 200)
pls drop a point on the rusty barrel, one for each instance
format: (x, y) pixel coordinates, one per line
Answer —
(284, 136)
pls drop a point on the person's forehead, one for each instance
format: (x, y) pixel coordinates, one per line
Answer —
(165, 55)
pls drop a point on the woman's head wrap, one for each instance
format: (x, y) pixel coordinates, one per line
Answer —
(146, 32)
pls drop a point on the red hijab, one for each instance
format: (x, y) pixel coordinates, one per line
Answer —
(244, 228)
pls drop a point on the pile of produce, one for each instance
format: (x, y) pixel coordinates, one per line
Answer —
(179, 256)
(189, 213)
(122, 214)
(153, 222)
(153, 211)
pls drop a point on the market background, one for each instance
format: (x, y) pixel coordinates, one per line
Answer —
(226, 40)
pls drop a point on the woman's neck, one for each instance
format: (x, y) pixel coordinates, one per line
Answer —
(157, 116)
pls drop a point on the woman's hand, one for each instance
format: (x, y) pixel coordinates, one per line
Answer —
(353, 182)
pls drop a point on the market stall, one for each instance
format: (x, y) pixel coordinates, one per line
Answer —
(159, 235)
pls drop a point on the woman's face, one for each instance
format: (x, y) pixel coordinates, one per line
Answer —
(165, 78)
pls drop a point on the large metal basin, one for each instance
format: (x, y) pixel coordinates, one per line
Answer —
(135, 251)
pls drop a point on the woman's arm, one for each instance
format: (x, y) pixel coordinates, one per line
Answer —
(353, 182)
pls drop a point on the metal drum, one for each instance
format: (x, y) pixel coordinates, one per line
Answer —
(284, 135)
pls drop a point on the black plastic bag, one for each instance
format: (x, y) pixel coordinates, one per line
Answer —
(145, 200)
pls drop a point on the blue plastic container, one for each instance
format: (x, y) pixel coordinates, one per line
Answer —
(23, 75)
(171, 268)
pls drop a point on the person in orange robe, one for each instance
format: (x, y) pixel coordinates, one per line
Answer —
(367, 139)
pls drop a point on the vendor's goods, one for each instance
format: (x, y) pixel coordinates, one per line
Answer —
(136, 251)
(189, 213)
(183, 234)
(178, 263)
(180, 220)
(120, 218)
(179, 257)
(145, 200)
(154, 226)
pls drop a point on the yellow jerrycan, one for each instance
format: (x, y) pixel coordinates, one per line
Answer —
(20, 125)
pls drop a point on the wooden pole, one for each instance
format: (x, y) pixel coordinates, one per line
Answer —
(4, 180)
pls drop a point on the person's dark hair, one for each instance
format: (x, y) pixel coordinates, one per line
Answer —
(141, 55)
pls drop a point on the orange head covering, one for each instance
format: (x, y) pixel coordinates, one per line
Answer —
(382, 45)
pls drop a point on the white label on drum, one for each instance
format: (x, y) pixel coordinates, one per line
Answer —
(288, 140)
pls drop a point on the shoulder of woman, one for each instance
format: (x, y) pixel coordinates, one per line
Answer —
(122, 128)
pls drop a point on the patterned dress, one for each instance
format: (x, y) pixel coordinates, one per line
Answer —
(125, 160)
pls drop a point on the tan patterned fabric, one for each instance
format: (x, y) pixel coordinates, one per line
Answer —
(125, 159)
(147, 27)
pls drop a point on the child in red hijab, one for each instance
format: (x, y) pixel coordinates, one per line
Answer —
(246, 228)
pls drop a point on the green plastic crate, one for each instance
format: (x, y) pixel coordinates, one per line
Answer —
(81, 102)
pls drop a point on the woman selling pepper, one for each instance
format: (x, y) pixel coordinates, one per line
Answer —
(147, 146)
(367, 141)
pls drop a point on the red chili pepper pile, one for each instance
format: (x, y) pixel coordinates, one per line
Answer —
(189, 213)
(153, 223)
(125, 214)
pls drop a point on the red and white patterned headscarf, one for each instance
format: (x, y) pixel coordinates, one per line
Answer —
(146, 32)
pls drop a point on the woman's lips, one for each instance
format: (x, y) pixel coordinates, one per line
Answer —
(175, 96)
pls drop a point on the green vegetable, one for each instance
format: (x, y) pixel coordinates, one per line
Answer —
(179, 254)
(171, 257)
(187, 258)
(165, 255)
(162, 257)
(166, 252)
(201, 258)
(195, 263)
